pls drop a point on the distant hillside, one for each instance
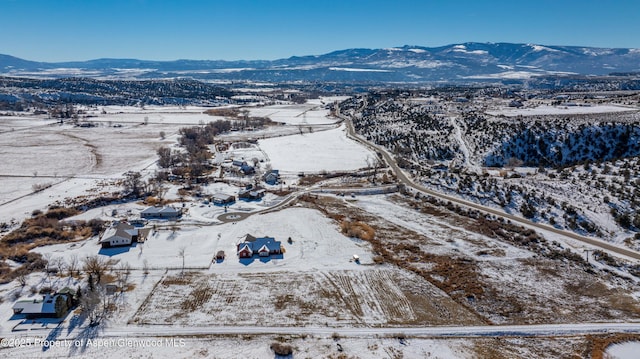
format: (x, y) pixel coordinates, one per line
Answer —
(407, 64)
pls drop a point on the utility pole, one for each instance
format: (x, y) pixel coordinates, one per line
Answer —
(587, 253)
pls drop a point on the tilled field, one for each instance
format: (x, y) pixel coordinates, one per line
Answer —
(380, 296)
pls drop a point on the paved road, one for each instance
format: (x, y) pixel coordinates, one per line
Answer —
(233, 216)
(534, 330)
(404, 179)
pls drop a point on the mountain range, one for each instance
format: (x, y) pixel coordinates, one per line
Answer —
(408, 64)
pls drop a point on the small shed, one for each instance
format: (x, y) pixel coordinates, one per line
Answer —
(220, 255)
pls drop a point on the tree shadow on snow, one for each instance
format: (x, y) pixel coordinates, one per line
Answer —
(87, 334)
(53, 336)
(76, 321)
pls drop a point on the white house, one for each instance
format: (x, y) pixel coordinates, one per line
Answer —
(119, 234)
(49, 306)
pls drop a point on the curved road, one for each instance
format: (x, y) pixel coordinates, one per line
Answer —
(404, 179)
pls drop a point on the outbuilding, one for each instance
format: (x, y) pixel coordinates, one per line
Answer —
(166, 212)
(222, 199)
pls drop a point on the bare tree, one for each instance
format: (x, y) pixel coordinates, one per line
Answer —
(59, 263)
(90, 304)
(48, 264)
(72, 265)
(95, 266)
(165, 160)
(22, 279)
(122, 274)
(133, 183)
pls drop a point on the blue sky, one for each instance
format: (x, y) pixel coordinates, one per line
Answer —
(63, 30)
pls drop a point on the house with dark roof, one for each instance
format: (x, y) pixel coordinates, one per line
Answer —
(222, 199)
(263, 247)
(252, 193)
(272, 177)
(247, 169)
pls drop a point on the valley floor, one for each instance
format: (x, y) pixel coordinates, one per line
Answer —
(363, 274)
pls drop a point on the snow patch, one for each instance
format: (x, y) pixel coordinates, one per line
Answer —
(628, 350)
(539, 48)
(354, 69)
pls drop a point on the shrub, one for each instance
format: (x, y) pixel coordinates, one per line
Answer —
(358, 229)
(61, 212)
(281, 349)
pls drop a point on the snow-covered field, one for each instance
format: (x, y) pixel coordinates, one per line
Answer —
(171, 115)
(74, 160)
(336, 298)
(447, 235)
(628, 350)
(42, 152)
(305, 114)
(317, 245)
(329, 150)
(250, 346)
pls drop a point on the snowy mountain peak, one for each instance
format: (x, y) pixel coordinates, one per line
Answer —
(409, 63)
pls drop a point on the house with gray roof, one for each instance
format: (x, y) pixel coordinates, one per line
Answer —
(168, 213)
(121, 234)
